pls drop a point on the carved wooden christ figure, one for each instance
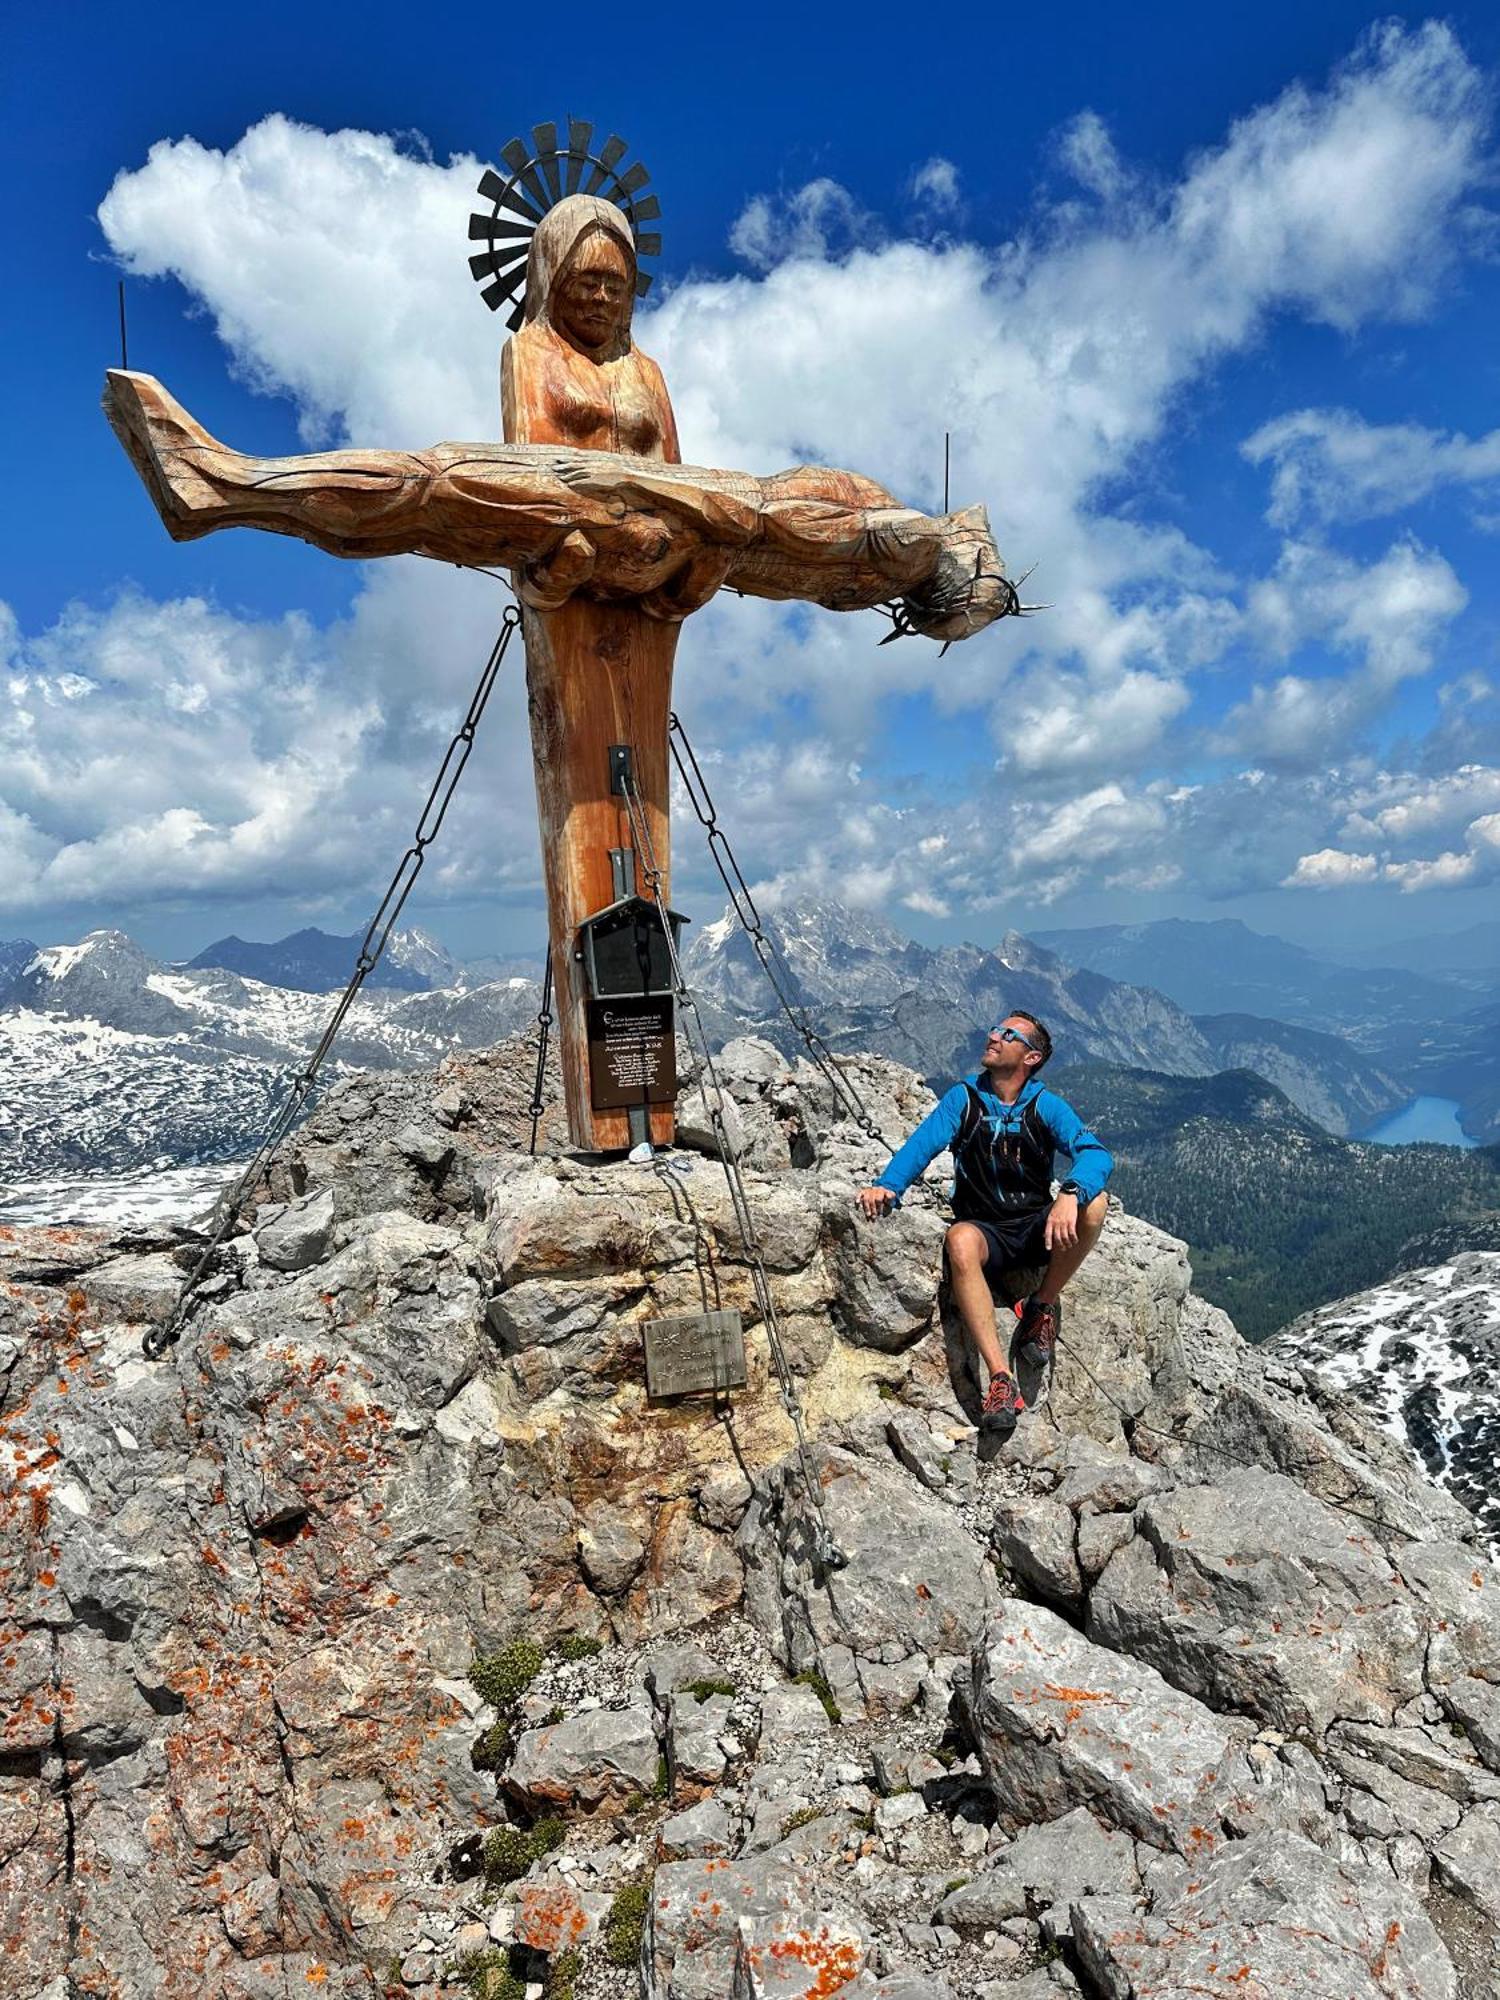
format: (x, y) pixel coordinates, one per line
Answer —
(612, 542)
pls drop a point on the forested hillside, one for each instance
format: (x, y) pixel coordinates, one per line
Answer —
(1279, 1215)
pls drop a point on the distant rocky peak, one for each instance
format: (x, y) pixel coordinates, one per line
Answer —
(16, 955)
(829, 921)
(1021, 953)
(419, 951)
(102, 954)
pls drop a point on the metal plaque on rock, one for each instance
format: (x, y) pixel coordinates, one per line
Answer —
(632, 1052)
(693, 1352)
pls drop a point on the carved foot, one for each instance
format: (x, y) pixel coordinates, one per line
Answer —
(968, 588)
(167, 449)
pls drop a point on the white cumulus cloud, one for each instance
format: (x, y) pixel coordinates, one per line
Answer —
(1331, 869)
(332, 266)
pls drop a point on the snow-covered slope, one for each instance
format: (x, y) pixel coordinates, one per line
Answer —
(110, 1061)
(1422, 1353)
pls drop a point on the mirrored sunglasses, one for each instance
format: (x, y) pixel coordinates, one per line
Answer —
(1015, 1035)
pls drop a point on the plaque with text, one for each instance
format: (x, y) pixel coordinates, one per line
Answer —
(694, 1352)
(632, 1052)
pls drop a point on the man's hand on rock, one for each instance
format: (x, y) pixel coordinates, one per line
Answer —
(875, 1201)
(1062, 1223)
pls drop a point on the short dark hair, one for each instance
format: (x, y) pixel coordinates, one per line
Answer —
(1020, 1014)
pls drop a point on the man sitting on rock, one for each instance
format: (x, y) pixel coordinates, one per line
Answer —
(1003, 1129)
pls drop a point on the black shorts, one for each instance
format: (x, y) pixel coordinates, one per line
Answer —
(1016, 1244)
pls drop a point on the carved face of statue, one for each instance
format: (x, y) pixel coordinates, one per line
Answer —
(580, 276)
(592, 298)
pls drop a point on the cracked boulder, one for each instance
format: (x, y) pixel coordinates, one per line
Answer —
(600, 1760)
(1272, 1914)
(1257, 1597)
(914, 1585)
(1061, 1722)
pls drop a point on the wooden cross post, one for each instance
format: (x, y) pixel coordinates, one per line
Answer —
(612, 542)
(598, 675)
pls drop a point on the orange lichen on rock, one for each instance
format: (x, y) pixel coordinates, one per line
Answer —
(1382, 1963)
(550, 1919)
(833, 1961)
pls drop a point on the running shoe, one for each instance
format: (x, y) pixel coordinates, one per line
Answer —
(1036, 1336)
(1003, 1406)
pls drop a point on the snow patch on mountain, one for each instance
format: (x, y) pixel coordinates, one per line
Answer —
(1422, 1354)
(56, 961)
(142, 1198)
(111, 1062)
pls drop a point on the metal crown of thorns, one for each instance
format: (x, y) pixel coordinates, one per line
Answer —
(540, 179)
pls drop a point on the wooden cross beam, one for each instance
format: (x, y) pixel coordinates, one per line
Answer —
(612, 542)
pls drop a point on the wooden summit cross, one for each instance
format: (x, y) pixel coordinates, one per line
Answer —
(612, 542)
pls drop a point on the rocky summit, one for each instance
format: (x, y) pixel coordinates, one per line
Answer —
(386, 1639)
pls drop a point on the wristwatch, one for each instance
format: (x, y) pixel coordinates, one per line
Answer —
(1072, 1188)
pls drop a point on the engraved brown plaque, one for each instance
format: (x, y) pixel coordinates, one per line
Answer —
(695, 1352)
(632, 1051)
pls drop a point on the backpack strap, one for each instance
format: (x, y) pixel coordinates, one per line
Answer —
(971, 1122)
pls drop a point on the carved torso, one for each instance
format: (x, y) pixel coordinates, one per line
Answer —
(552, 394)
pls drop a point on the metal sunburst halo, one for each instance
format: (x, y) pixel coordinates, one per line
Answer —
(539, 177)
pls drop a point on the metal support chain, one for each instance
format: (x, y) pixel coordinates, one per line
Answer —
(743, 904)
(158, 1338)
(828, 1553)
(543, 1026)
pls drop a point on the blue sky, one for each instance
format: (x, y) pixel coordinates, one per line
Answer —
(1209, 308)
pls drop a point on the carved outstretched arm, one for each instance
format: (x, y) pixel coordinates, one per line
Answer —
(607, 526)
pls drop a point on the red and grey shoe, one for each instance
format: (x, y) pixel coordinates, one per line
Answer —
(1036, 1336)
(1003, 1406)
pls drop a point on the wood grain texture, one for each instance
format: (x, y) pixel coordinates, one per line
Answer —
(576, 522)
(596, 674)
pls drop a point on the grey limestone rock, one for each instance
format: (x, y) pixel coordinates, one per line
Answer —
(301, 1234)
(886, 1272)
(1256, 1596)
(600, 1760)
(1474, 1708)
(1459, 1589)
(1268, 1414)
(426, 1148)
(1272, 1914)
(1430, 1759)
(914, 1585)
(695, 1122)
(667, 1668)
(139, 1287)
(789, 1714)
(705, 1829)
(695, 1732)
(610, 1551)
(762, 1926)
(1055, 1863)
(1061, 1722)
(1467, 1860)
(1037, 1540)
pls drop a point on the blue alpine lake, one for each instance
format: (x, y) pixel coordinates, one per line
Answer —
(1426, 1121)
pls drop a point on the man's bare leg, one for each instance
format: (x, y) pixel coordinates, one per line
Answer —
(967, 1251)
(1065, 1260)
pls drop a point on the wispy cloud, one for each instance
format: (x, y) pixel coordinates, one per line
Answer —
(1331, 465)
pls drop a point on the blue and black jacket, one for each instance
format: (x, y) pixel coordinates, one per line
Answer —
(1004, 1155)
